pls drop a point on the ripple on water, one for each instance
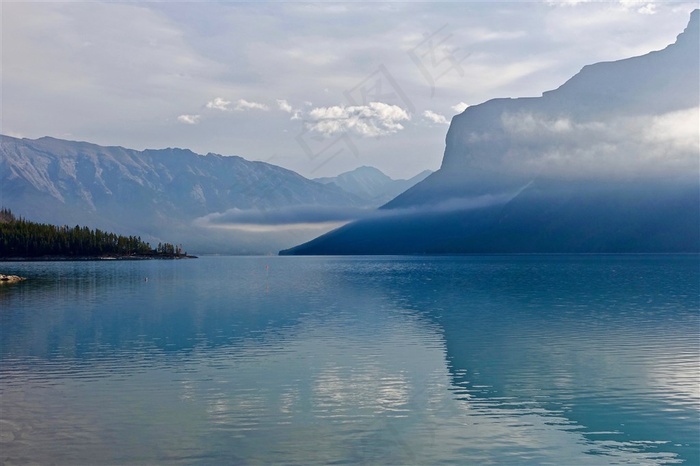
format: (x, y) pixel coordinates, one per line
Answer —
(510, 360)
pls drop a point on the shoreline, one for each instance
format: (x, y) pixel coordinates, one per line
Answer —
(89, 258)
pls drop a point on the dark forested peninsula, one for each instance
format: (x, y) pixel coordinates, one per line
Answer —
(20, 238)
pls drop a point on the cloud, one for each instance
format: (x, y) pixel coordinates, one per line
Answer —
(435, 117)
(219, 104)
(620, 146)
(529, 125)
(626, 5)
(314, 216)
(189, 119)
(678, 130)
(374, 119)
(242, 104)
(302, 217)
(460, 107)
(566, 2)
(639, 7)
(285, 215)
(648, 9)
(284, 106)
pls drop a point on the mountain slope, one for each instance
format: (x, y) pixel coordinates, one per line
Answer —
(608, 162)
(153, 193)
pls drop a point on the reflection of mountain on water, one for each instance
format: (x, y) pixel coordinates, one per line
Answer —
(87, 310)
(601, 341)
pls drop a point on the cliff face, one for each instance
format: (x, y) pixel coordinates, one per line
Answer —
(604, 122)
(608, 157)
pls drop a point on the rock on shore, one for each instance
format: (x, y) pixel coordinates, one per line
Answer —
(11, 278)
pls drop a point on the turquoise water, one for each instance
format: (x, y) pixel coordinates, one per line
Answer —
(296, 360)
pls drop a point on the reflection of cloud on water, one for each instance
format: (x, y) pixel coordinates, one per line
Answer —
(338, 411)
(676, 380)
(188, 391)
(361, 389)
(289, 401)
(389, 397)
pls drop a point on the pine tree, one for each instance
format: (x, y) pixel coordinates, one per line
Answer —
(22, 238)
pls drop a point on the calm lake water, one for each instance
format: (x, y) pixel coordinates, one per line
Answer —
(393, 360)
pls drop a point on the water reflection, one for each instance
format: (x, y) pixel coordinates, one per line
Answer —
(583, 339)
(391, 360)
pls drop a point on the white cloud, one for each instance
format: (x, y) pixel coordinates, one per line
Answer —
(460, 107)
(648, 9)
(189, 119)
(622, 145)
(528, 124)
(284, 106)
(243, 104)
(315, 216)
(435, 117)
(289, 215)
(677, 129)
(566, 2)
(219, 104)
(374, 119)
(623, 5)
(640, 7)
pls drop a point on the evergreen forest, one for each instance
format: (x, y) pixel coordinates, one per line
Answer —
(26, 239)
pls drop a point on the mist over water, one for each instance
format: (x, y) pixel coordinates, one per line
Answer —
(587, 359)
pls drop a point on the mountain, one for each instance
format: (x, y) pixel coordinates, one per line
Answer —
(371, 185)
(608, 162)
(169, 194)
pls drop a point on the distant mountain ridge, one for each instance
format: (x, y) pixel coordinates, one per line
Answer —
(157, 194)
(371, 185)
(608, 162)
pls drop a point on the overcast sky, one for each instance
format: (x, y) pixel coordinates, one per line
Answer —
(316, 88)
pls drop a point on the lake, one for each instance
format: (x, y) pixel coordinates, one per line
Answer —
(590, 360)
